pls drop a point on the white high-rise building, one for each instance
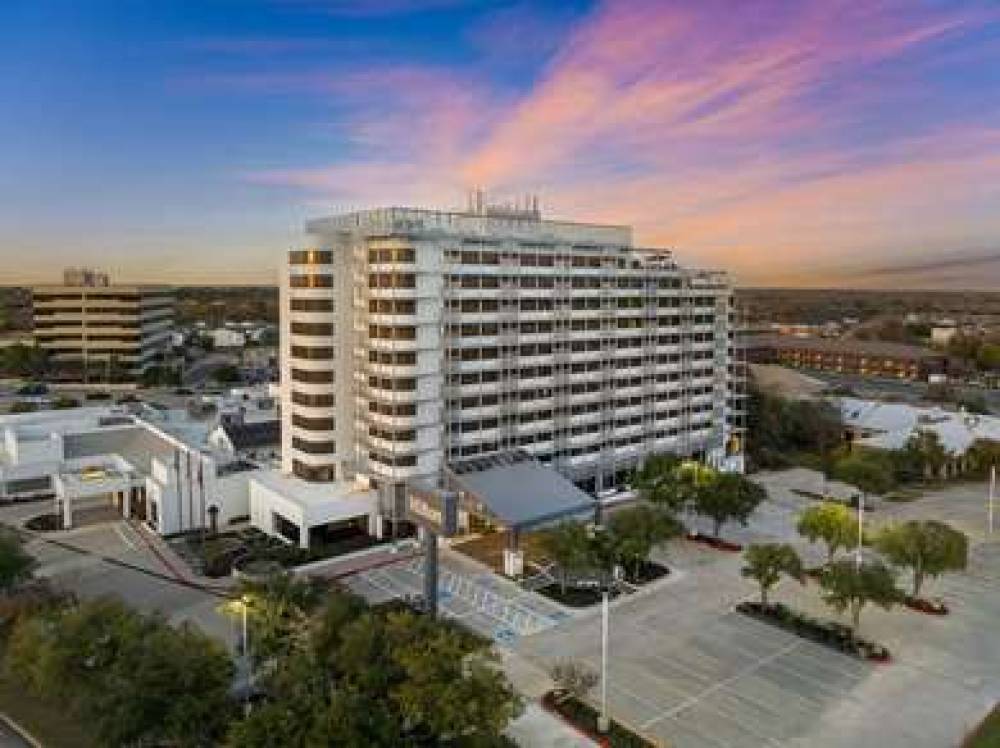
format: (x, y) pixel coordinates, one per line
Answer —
(416, 339)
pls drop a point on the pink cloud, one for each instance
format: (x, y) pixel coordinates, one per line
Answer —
(727, 129)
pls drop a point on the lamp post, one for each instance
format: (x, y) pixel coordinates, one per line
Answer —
(597, 537)
(861, 527)
(244, 607)
(989, 506)
(603, 721)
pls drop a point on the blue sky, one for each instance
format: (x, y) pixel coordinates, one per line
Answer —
(813, 142)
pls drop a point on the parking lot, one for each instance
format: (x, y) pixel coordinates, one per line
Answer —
(114, 559)
(687, 669)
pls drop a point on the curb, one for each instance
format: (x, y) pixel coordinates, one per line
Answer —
(22, 733)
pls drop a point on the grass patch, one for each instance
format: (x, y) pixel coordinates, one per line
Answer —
(49, 725)
(584, 718)
(987, 734)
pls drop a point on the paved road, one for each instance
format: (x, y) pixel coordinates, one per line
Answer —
(198, 373)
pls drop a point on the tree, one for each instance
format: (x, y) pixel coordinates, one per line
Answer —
(135, 679)
(656, 481)
(278, 609)
(766, 562)
(830, 522)
(870, 472)
(931, 454)
(848, 587)
(928, 547)
(227, 374)
(16, 564)
(171, 686)
(573, 678)
(393, 678)
(780, 428)
(21, 360)
(729, 496)
(636, 531)
(569, 546)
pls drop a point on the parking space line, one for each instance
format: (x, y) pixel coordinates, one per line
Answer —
(125, 539)
(722, 684)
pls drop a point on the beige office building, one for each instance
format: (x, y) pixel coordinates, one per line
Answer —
(96, 331)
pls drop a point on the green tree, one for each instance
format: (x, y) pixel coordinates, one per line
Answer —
(657, 481)
(227, 374)
(278, 609)
(16, 564)
(767, 562)
(394, 679)
(848, 587)
(22, 360)
(931, 454)
(871, 472)
(928, 548)
(728, 497)
(830, 522)
(568, 544)
(636, 531)
(171, 686)
(780, 428)
(135, 679)
(988, 357)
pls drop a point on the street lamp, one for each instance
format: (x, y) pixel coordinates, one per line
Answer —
(861, 526)
(603, 721)
(244, 602)
(989, 509)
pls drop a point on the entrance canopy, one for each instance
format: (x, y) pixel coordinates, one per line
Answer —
(518, 490)
(95, 476)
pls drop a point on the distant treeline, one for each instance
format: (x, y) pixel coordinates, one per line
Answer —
(217, 304)
(815, 306)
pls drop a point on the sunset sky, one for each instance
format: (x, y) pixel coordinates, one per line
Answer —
(798, 142)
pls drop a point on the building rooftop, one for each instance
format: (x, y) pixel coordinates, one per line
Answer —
(890, 425)
(254, 435)
(519, 490)
(847, 346)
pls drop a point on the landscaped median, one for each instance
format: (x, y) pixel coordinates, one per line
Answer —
(583, 717)
(829, 633)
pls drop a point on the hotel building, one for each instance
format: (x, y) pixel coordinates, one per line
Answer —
(95, 331)
(415, 340)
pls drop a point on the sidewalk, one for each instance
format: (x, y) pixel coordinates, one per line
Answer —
(536, 728)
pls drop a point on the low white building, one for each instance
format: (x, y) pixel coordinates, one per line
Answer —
(161, 473)
(300, 512)
(223, 337)
(890, 426)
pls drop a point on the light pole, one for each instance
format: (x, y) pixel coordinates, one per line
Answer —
(598, 538)
(993, 486)
(861, 527)
(603, 722)
(244, 607)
